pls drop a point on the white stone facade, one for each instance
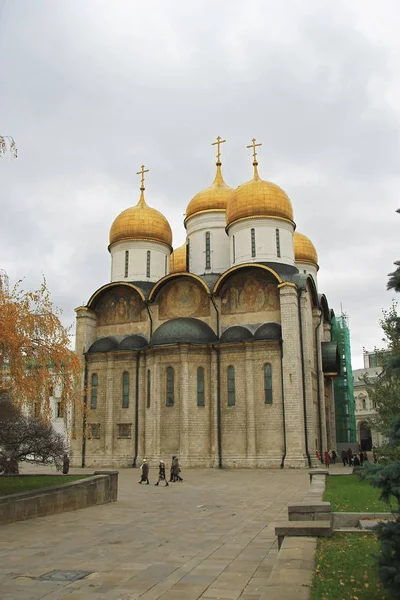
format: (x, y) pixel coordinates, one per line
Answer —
(197, 228)
(272, 241)
(139, 260)
(364, 409)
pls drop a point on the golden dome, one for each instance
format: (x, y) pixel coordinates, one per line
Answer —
(258, 198)
(141, 222)
(212, 198)
(304, 249)
(177, 260)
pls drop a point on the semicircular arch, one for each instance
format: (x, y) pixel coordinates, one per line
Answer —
(167, 278)
(98, 293)
(218, 284)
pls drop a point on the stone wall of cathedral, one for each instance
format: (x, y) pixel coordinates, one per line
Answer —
(254, 432)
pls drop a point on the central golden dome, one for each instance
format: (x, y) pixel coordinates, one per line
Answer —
(177, 260)
(258, 198)
(213, 198)
(304, 249)
(141, 222)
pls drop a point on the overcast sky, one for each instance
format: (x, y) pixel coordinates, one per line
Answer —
(91, 89)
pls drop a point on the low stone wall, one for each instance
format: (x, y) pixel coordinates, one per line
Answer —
(98, 489)
(342, 520)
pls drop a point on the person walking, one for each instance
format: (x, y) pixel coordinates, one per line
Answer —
(144, 472)
(334, 457)
(161, 473)
(65, 464)
(327, 459)
(172, 476)
(176, 469)
(344, 457)
(361, 458)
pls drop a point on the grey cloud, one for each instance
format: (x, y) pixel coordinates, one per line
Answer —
(92, 90)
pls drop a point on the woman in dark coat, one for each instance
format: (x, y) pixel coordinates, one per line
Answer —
(144, 472)
(161, 473)
(176, 469)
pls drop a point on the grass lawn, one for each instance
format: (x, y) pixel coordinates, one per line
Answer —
(15, 484)
(344, 568)
(348, 493)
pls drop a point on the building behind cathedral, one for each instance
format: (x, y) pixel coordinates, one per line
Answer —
(219, 351)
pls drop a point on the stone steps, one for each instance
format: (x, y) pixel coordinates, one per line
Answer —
(302, 529)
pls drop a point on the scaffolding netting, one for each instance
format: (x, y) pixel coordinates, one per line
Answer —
(346, 432)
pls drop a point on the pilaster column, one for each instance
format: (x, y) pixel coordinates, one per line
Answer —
(85, 330)
(251, 417)
(309, 369)
(142, 406)
(158, 398)
(292, 377)
(184, 404)
(318, 333)
(109, 412)
(213, 412)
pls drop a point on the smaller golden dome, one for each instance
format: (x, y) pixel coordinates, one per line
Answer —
(257, 199)
(213, 198)
(141, 222)
(177, 260)
(304, 249)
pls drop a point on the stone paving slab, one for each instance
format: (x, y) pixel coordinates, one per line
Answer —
(210, 537)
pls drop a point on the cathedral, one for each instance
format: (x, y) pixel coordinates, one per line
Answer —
(219, 351)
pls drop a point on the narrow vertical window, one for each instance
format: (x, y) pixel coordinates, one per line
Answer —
(231, 386)
(126, 262)
(278, 243)
(93, 393)
(188, 255)
(233, 249)
(267, 384)
(200, 387)
(148, 264)
(208, 250)
(170, 386)
(148, 388)
(253, 243)
(166, 265)
(125, 390)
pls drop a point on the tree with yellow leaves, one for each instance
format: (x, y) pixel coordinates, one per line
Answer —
(34, 350)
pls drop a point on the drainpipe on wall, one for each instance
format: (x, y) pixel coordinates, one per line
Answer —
(219, 432)
(136, 411)
(283, 408)
(319, 391)
(150, 317)
(85, 386)
(219, 419)
(217, 311)
(303, 371)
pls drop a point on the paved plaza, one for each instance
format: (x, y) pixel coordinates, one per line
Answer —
(209, 537)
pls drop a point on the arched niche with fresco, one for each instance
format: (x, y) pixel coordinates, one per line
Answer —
(250, 295)
(119, 305)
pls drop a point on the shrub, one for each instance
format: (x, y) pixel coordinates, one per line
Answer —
(386, 477)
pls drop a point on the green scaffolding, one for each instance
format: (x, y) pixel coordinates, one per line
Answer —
(346, 432)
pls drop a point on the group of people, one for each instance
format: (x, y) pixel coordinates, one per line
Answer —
(354, 459)
(349, 457)
(174, 472)
(330, 456)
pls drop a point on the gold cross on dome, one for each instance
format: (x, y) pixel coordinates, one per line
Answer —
(254, 146)
(218, 144)
(142, 172)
